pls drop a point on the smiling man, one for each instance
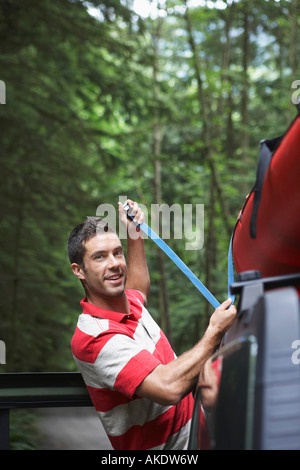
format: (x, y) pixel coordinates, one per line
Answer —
(140, 389)
(103, 272)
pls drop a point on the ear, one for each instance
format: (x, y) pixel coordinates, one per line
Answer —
(78, 270)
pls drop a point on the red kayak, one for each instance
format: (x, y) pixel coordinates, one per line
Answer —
(267, 233)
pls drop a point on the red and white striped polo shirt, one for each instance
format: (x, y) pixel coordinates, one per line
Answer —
(114, 353)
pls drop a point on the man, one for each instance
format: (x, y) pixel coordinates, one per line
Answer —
(141, 391)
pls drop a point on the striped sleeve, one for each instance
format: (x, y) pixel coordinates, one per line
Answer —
(111, 360)
(122, 364)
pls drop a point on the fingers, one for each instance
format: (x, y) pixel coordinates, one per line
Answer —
(136, 212)
(121, 211)
(229, 308)
(226, 304)
(223, 317)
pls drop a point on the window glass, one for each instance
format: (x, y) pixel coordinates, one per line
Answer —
(223, 414)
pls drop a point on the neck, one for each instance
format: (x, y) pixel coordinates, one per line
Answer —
(116, 304)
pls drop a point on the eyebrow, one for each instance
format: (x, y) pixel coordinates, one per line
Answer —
(103, 252)
(98, 252)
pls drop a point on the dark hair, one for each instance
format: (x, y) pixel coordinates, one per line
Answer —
(81, 234)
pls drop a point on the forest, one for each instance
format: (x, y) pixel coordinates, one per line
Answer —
(102, 102)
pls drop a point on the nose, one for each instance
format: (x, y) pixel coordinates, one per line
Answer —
(113, 262)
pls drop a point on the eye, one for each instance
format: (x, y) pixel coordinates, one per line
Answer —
(99, 256)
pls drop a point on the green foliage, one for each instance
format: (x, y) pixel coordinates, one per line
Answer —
(77, 131)
(24, 434)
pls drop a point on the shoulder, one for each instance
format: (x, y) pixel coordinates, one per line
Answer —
(92, 326)
(88, 329)
(136, 302)
(134, 295)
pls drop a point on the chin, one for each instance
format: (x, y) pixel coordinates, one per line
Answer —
(116, 291)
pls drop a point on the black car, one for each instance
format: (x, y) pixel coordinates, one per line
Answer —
(255, 398)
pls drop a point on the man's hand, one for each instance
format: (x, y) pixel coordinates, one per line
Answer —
(137, 270)
(222, 318)
(137, 214)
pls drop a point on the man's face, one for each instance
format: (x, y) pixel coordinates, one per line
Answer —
(104, 272)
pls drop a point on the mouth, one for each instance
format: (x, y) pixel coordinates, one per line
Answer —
(115, 278)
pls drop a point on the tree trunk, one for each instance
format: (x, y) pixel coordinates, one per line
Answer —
(15, 289)
(215, 184)
(228, 80)
(206, 129)
(245, 90)
(164, 308)
(210, 251)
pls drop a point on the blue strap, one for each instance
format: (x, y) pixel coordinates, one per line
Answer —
(183, 267)
(230, 270)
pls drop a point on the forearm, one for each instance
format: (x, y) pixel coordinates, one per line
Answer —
(169, 383)
(182, 374)
(137, 269)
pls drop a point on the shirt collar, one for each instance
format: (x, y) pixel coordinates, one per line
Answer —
(94, 311)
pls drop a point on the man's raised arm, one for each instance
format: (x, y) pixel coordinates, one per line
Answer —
(137, 270)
